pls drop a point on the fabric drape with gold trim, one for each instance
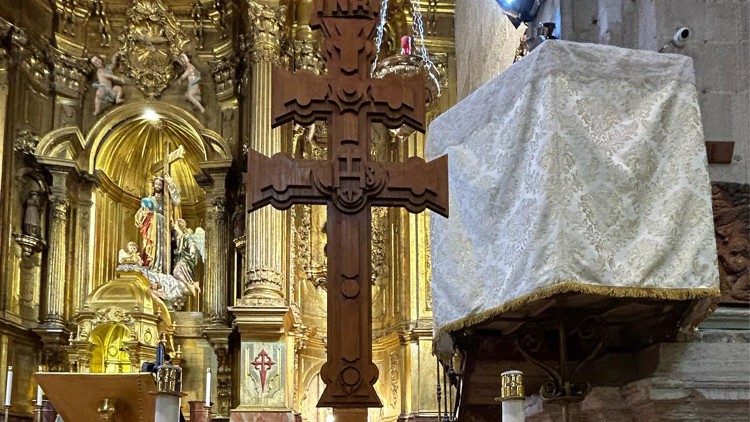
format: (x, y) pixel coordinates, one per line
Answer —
(581, 168)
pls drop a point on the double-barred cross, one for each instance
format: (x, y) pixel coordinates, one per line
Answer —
(349, 182)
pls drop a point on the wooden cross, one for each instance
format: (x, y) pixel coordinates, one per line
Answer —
(349, 182)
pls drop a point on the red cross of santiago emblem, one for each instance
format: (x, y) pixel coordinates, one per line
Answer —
(263, 364)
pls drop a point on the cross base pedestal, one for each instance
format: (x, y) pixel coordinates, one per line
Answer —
(239, 415)
(350, 415)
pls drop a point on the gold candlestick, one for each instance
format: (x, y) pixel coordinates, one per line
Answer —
(6, 413)
(106, 410)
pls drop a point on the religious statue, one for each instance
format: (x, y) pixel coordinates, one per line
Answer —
(107, 84)
(153, 224)
(31, 222)
(193, 77)
(190, 249)
(238, 221)
(131, 255)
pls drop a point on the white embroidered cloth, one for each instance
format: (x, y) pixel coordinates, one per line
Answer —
(581, 168)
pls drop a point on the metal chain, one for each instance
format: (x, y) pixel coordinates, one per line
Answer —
(419, 32)
(381, 30)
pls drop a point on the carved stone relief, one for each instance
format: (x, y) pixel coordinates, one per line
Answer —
(731, 205)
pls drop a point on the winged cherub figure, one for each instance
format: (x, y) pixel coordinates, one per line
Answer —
(193, 77)
(107, 85)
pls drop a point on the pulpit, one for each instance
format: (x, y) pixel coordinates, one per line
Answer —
(143, 397)
(581, 220)
(90, 397)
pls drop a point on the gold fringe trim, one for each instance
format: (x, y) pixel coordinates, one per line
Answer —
(578, 287)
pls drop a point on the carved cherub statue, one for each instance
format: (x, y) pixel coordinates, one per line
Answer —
(193, 76)
(131, 256)
(107, 85)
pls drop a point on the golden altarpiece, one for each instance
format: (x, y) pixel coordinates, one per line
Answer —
(98, 99)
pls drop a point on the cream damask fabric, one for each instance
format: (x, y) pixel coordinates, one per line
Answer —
(581, 168)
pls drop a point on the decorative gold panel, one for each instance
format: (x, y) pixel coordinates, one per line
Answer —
(151, 39)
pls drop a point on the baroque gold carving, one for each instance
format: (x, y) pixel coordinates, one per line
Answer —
(26, 141)
(151, 39)
(68, 73)
(99, 12)
(267, 22)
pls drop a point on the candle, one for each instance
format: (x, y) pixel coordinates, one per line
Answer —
(208, 387)
(8, 385)
(39, 395)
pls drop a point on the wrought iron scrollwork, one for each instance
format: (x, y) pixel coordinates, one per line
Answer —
(533, 340)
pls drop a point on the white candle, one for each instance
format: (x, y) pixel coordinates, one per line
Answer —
(39, 392)
(208, 387)
(8, 385)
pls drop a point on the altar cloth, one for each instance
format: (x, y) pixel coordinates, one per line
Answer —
(581, 168)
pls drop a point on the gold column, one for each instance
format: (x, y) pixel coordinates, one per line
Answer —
(10, 58)
(215, 286)
(260, 315)
(59, 204)
(265, 227)
(81, 276)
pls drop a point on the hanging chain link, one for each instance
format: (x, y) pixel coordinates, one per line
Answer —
(418, 27)
(381, 30)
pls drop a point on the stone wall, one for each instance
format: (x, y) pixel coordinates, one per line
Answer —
(718, 45)
(485, 43)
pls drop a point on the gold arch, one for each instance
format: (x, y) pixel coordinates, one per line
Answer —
(191, 127)
(108, 355)
(126, 146)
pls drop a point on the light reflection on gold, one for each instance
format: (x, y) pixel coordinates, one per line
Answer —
(131, 150)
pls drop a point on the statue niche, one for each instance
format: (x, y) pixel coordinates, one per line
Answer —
(170, 251)
(33, 206)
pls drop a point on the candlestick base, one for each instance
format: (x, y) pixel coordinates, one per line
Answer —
(6, 413)
(38, 413)
(199, 412)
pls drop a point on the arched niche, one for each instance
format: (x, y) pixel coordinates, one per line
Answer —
(120, 153)
(108, 355)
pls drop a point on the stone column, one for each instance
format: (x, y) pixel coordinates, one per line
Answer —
(265, 227)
